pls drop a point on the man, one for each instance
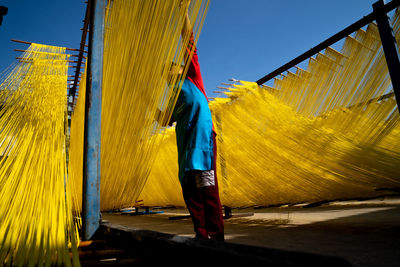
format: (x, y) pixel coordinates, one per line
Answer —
(196, 143)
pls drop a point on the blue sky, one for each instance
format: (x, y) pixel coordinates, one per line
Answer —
(240, 39)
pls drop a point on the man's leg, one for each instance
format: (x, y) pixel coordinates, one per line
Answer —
(194, 203)
(208, 188)
(212, 204)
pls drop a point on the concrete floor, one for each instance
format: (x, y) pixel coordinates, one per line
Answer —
(366, 233)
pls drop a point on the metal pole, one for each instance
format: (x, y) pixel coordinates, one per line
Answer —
(91, 165)
(3, 12)
(389, 47)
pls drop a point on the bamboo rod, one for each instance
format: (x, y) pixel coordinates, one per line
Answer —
(23, 51)
(28, 59)
(25, 42)
(224, 88)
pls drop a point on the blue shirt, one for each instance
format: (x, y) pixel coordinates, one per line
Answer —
(194, 130)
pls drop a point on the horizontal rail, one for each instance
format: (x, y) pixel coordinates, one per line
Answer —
(25, 42)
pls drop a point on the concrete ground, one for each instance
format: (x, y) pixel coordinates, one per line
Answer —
(366, 233)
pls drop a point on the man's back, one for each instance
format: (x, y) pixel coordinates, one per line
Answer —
(193, 129)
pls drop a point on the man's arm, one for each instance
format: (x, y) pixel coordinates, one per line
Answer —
(186, 32)
(193, 72)
(187, 27)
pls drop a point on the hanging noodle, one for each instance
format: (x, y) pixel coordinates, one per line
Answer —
(329, 132)
(315, 135)
(142, 41)
(36, 225)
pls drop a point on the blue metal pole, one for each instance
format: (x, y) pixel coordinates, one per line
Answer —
(91, 167)
(390, 48)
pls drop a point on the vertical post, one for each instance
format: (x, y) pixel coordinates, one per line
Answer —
(389, 47)
(3, 12)
(91, 165)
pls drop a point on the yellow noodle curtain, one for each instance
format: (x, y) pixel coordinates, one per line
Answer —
(313, 136)
(142, 41)
(36, 222)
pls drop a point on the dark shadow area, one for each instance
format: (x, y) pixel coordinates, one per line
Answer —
(368, 239)
(364, 234)
(150, 248)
